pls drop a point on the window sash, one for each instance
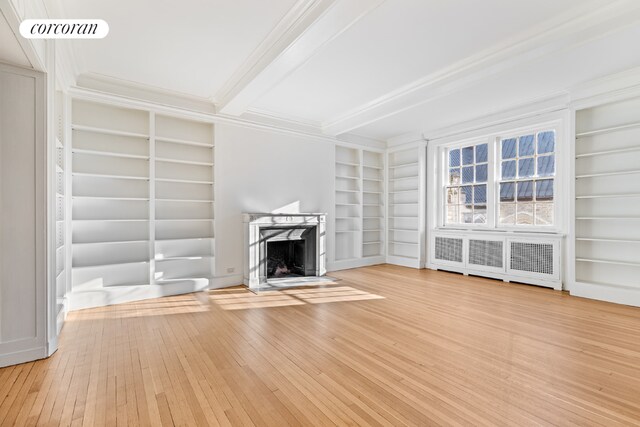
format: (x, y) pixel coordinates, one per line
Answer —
(494, 179)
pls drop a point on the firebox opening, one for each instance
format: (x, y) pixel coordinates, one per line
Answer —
(285, 259)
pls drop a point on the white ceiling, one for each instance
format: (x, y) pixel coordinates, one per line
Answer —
(399, 42)
(377, 68)
(187, 46)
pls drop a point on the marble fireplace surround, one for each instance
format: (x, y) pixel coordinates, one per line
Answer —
(255, 261)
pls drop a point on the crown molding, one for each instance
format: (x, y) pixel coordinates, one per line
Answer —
(267, 117)
(611, 88)
(304, 32)
(551, 36)
(138, 91)
(15, 12)
(160, 104)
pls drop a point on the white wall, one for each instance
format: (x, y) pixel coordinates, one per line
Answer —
(265, 171)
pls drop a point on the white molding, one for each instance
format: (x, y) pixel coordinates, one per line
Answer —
(78, 300)
(552, 36)
(607, 89)
(22, 355)
(609, 293)
(355, 263)
(167, 105)
(34, 53)
(406, 138)
(294, 23)
(404, 262)
(313, 27)
(142, 92)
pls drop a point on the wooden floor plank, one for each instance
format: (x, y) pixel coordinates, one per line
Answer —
(382, 346)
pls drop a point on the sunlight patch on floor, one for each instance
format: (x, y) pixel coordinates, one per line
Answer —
(241, 299)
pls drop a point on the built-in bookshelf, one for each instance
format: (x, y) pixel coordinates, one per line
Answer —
(348, 205)
(184, 200)
(607, 195)
(60, 211)
(359, 206)
(372, 204)
(142, 199)
(403, 212)
(110, 185)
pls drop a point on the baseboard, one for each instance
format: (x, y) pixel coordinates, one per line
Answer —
(79, 299)
(226, 281)
(355, 263)
(404, 262)
(615, 294)
(557, 285)
(22, 356)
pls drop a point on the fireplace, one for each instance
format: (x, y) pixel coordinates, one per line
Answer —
(283, 246)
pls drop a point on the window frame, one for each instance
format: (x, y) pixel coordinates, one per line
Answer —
(494, 176)
(445, 180)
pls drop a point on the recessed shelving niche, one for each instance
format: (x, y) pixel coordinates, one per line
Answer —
(142, 198)
(404, 213)
(359, 206)
(607, 190)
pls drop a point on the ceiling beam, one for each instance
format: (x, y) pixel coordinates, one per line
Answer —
(309, 26)
(553, 36)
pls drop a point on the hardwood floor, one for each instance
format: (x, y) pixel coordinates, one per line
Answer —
(386, 345)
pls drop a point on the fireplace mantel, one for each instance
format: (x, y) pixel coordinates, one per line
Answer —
(255, 262)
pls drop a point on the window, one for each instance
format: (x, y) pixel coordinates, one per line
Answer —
(501, 182)
(467, 185)
(527, 168)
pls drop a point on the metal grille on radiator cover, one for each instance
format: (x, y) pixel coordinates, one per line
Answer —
(485, 252)
(448, 249)
(532, 257)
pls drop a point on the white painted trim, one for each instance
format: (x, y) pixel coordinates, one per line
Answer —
(314, 27)
(403, 262)
(34, 55)
(609, 293)
(99, 83)
(355, 263)
(20, 356)
(498, 276)
(551, 36)
(208, 117)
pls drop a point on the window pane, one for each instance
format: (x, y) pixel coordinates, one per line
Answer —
(544, 189)
(546, 142)
(546, 165)
(507, 191)
(509, 169)
(454, 176)
(453, 196)
(467, 156)
(509, 148)
(524, 215)
(481, 173)
(454, 157)
(467, 174)
(482, 151)
(453, 216)
(467, 195)
(507, 213)
(544, 213)
(466, 214)
(525, 191)
(525, 168)
(525, 146)
(479, 214)
(480, 194)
